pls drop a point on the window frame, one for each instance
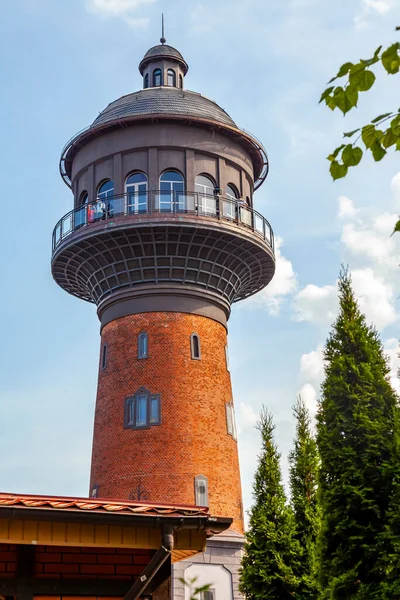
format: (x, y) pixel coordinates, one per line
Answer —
(231, 420)
(173, 73)
(145, 354)
(155, 74)
(210, 591)
(180, 82)
(146, 81)
(94, 492)
(193, 337)
(84, 198)
(131, 410)
(104, 356)
(197, 481)
(137, 193)
(172, 199)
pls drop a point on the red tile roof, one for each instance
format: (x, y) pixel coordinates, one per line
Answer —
(98, 505)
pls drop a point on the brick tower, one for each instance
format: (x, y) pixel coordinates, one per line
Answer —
(163, 238)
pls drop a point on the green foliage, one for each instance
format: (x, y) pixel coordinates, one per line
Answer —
(271, 556)
(304, 464)
(356, 439)
(360, 78)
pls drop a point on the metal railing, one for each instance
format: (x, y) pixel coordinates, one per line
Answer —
(163, 203)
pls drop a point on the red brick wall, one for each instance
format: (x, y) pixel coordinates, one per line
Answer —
(192, 438)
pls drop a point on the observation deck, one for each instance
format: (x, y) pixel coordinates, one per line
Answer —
(156, 241)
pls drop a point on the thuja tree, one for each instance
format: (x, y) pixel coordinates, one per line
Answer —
(304, 464)
(271, 551)
(355, 435)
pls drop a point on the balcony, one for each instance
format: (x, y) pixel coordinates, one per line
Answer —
(135, 206)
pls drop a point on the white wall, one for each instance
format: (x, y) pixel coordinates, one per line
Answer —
(217, 575)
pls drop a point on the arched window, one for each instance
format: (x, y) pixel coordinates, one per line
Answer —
(142, 345)
(172, 198)
(136, 190)
(201, 490)
(171, 78)
(84, 199)
(106, 190)
(157, 80)
(230, 204)
(181, 82)
(206, 200)
(195, 347)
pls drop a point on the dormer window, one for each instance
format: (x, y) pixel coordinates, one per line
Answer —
(146, 81)
(157, 78)
(171, 78)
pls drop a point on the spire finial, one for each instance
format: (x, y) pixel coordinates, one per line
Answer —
(162, 39)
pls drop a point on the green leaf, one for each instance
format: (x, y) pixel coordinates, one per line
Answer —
(344, 69)
(337, 170)
(381, 117)
(368, 135)
(334, 154)
(351, 93)
(390, 59)
(326, 93)
(396, 227)
(351, 133)
(395, 125)
(342, 101)
(351, 156)
(389, 138)
(362, 80)
(378, 152)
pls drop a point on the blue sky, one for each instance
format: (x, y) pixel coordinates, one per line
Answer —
(266, 63)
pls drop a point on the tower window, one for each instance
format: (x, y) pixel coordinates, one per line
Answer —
(206, 200)
(94, 492)
(84, 199)
(227, 358)
(195, 346)
(142, 410)
(171, 78)
(181, 81)
(146, 81)
(142, 345)
(104, 357)
(136, 190)
(106, 190)
(157, 79)
(201, 490)
(171, 198)
(230, 420)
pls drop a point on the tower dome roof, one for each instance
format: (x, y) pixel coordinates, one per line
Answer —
(164, 101)
(163, 51)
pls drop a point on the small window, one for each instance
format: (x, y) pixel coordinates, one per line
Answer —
(146, 81)
(142, 345)
(227, 358)
(84, 199)
(201, 490)
(195, 346)
(208, 595)
(104, 357)
(106, 190)
(142, 410)
(157, 78)
(230, 420)
(181, 82)
(155, 416)
(94, 491)
(231, 192)
(171, 78)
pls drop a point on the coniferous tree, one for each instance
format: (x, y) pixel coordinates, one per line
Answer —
(304, 464)
(355, 436)
(271, 551)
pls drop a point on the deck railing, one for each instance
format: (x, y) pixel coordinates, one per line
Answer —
(164, 203)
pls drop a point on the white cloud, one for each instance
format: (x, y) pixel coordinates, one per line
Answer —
(375, 297)
(283, 284)
(346, 208)
(120, 8)
(248, 416)
(309, 395)
(371, 8)
(317, 304)
(312, 366)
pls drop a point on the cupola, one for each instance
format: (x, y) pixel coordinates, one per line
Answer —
(163, 66)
